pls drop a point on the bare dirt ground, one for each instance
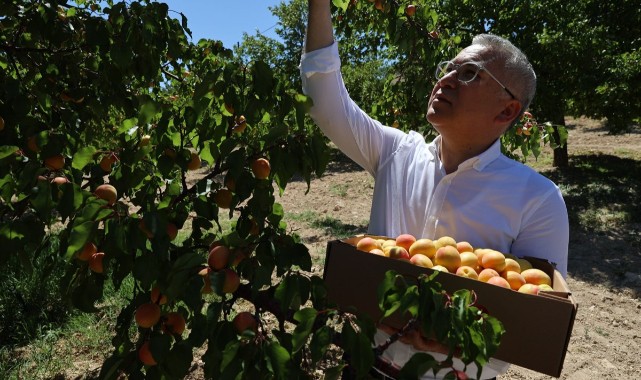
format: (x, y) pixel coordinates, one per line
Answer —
(604, 264)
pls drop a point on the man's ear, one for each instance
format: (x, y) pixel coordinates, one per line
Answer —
(510, 112)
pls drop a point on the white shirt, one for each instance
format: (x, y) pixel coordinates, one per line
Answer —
(491, 201)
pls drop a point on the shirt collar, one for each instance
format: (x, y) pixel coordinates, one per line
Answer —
(478, 163)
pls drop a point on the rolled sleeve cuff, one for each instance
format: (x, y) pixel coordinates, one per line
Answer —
(325, 60)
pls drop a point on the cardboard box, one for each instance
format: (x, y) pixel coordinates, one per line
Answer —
(537, 327)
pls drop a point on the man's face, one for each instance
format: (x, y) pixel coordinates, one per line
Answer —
(469, 109)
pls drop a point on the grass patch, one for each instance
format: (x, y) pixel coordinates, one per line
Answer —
(339, 189)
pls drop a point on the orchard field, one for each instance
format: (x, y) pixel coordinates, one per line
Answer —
(601, 192)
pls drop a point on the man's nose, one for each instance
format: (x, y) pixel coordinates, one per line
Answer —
(449, 79)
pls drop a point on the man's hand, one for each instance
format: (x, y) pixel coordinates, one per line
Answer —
(414, 338)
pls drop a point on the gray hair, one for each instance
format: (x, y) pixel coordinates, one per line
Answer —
(517, 67)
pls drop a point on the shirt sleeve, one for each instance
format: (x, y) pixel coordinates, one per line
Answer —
(360, 137)
(545, 233)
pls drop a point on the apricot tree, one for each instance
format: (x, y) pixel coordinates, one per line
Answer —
(126, 140)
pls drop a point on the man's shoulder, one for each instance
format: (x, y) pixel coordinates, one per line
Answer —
(524, 172)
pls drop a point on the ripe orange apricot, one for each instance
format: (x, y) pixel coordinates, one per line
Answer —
(223, 198)
(378, 251)
(59, 180)
(245, 321)
(194, 162)
(445, 241)
(493, 259)
(421, 260)
(511, 265)
(157, 297)
(469, 259)
(423, 246)
(95, 262)
(536, 277)
(405, 241)
(261, 168)
(440, 268)
(174, 323)
(87, 251)
(172, 231)
(488, 273)
(499, 281)
(410, 10)
(106, 163)
(529, 289)
(232, 281)
(467, 271)
(367, 243)
(55, 162)
(464, 246)
(144, 355)
(206, 288)
(399, 253)
(218, 257)
(448, 257)
(106, 192)
(514, 279)
(147, 315)
(240, 125)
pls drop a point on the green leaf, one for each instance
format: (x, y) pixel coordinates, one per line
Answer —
(342, 4)
(83, 157)
(80, 235)
(305, 318)
(279, 359)
(179, 360)
(7, 150)
(320, 343)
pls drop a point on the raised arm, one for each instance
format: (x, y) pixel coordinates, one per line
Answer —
(320, 32)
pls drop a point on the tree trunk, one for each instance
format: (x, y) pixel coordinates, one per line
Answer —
(560, 153)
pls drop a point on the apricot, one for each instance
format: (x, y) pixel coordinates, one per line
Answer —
(511, 265)
(144, 355)
(56, 162)
(106, 192)
(536, 277)
(261, 168)
(479, 254)
(218, 257)
(440, 268)
(157, 297)
(444, 241)
(378, 251)
(206, 288)
(107, 162)
(172, 231)
(464, 246)
(405, 241)
(529, 289)
(95, 262)
(397, 252)
(448, 257)
(494, 260)
(238, 256)
(545, 288)
(230, 183)
(423, 246)
(87, 251)
(147, 315)
(32, 144)
(467, 271)
(488, 273)
(367, 243)
(194, 162)
(244, 321)
(388, 243)
(144, 229)
(59, 180)
(232, 281)
(514, 279)
(410, 10)
(499, 281)
(223, 198)
(421, 260)
(469, 259)
(240, 125)
(174, 323)
(524, 264)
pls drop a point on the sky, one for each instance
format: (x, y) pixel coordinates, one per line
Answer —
(226, 20)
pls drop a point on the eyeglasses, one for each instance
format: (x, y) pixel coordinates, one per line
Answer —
(465, 72)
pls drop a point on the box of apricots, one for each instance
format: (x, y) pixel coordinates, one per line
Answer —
(526, 294)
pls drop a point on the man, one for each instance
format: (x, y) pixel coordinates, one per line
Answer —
(459, 185)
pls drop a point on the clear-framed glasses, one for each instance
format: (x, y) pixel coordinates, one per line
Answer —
(465, 72)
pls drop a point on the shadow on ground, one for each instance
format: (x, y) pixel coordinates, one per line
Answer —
(603, 197)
